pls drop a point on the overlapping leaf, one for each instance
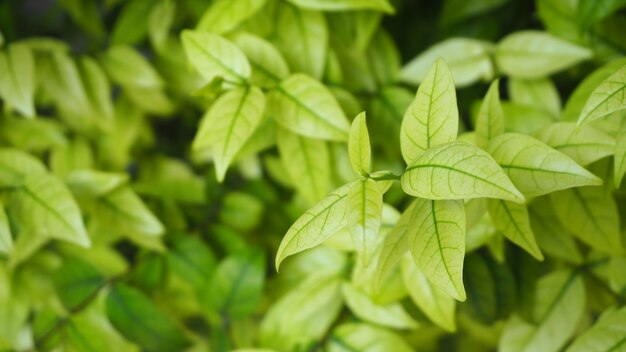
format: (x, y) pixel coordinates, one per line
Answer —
(364, 214)
(490, 120)
(608, 97)
(359, 145)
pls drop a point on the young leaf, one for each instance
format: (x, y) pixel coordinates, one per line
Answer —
(6, 240)
(608, 97)
(592, 216)
(76, 282)
(225, 15)
(229, 123)
(359, 145)
(607, 334)
(364, 214)
(512, 220)
(447, 171)
(620, 156)
(316, 225)
(433, 117)
(345, 5)
(394, 245)
(536, 54)
(17, 87)
(490, 121)
(268, 65)
(558, 307)
(213, 56)
(535, 168)
(391, 315)
(438, 306)
(365, 338)
(437, 243)
(584, 144)
(307, 162)
(305, 106)
(154, 331)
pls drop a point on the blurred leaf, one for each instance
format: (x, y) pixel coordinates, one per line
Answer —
(584, 144)
(17, 88)
(76, 282)
(225, 15)
(490, 121)
(131, 25)
(606, 98)
(606, 334)
(268, 65)
(127, 67)
(359, 145)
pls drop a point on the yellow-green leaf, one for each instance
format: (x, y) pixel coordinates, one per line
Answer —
(513, 221)
(225, 15)
(541, 93)
(268, 65)
(607, 334)
(394, 245)
(6, 241)
(620, 156)
(359, 145)
(345, 5)
(584, 144)
(364, 213)
(608, 97)
(17, 86)
(490, 121)
(391, 315)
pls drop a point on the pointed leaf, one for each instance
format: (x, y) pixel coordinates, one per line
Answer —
(433, 117)
(536, 168)
(620, 156)
(364, 214)
(391, 315)
(359, 145)
(17, 86)
(608, 97)
(394, 246)
(584, 144)
(457, 171)
(345, 5)
(607, 334)
(6, 240)
(126, 66)
(490, 121)
(512, 220)
(268, 65)
(225, 15)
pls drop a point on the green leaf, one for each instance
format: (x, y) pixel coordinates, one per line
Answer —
(98, 88)
(540, 93)
(620, 156)
(437, 243)
(17, 88)
(390, 315)
(307, 162)
(236, 287)
(364, 214)
(359, 145)
(268, 65)
(45, 207)
(32, 135)
(135, 317)
(609, 96)
(490, 121)
(467, 58)
(6, 240)
(225, 15)
(229, 123)
(316, 225)
(350, 337)
(129, 68)
(590, 11)
(91, 331)
(433, 117)
(384, 58)
(536, 168)
(394, 245)
(15, 165)
(592, 216)
(213, 56)
(131, 25)
(302, 37)
(305, 106)
(438, 306)
(607, 334)
(536, 54)
(557, 309)
(525, 119)
(76, 282)
(192, 260)
(513, 221)
(457, 171)
(584, 144)
(92, 183)
(345, 5)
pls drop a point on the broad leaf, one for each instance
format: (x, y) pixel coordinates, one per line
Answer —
(268, 65)
(307, 162)
(350, 337)
(584, 144)
(225, 15)
(608, 97)
(364, 214)
(345, 5)
(490, 121)
(592, 216)
(457, 171)
(305, 106)
(540, 93)
(433, 117)
(76, 282)
(512, 220)
(536, 168)
(17, 87)
(359, 145)
(153, 331)
(437, 243)
(316, 225)
(391, 315)
(213, 56)
(607, 334)
(536, 54)
(6, 240)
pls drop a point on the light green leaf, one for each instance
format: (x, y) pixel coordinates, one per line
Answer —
(15, 165)
(584, 144)
(74, 155)
(433, 117)
(307, 162)
(154, 331)
(536, 54)
(389, 107)
(213, 56)
(160, 23)
(316, 225)
(457, 171)
(6, 240)
(268, 65)
(438, 306)
(302, 37)
(620, 156)
(76, 281)
(17, 87)
(490, 121)
(525, 119)
(191, 260)
(592, 216)
(591, 11)
(90, 330)
(345, 5)
(468, 59)
(364, 214)
(131, 24)
(305, 106)
(607, 97)
(512, 220)
(540, 93)
(99, 90)
(45, 207)
(437, 242)
(607, 334)
(359, 145)
(557, 309)
(384, 58)
(391, 315)
(394, 245)
(32, 135)
(225, 15)
(229, 123)
(362, 337)
(536, 168)
(93, 183)
(127, 67)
